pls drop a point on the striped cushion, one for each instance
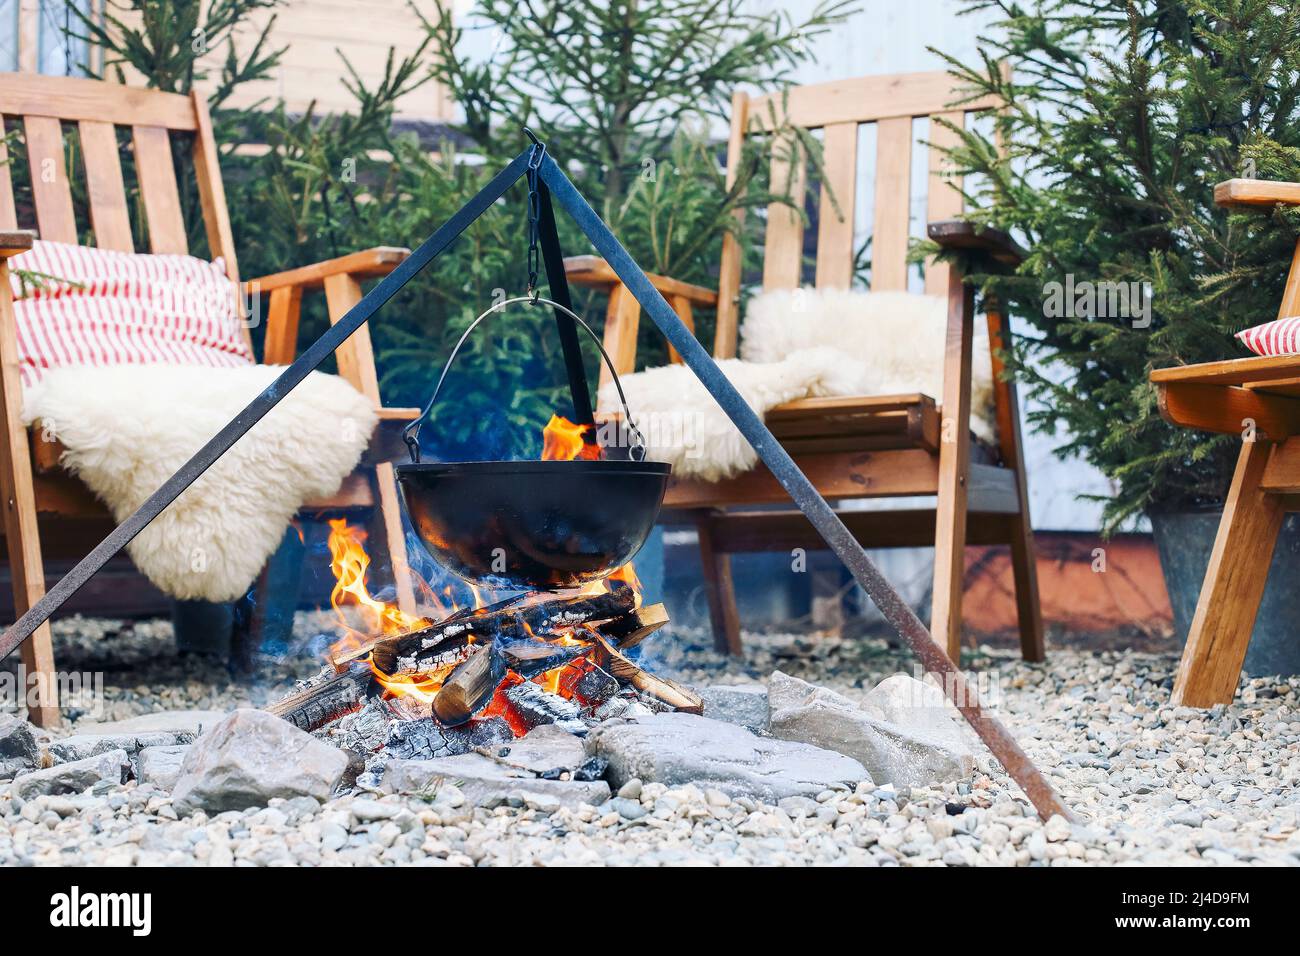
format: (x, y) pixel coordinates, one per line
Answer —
(106, 308)
(1279, 337)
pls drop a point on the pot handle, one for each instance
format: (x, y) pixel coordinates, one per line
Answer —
(411, 433)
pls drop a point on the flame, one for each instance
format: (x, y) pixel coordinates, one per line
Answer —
(349, 562)
(562, 440)
(422, 687)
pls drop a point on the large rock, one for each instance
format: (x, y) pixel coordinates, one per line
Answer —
(744, 705)
(249, 758)
(901, 733)
(192, 722)
(19, 751)
(487, 783)
(544, 750)
(160, 766)
(676, 749)
(74, 777)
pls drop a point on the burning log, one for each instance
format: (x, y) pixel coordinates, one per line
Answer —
(469, 688)
(324, 698)
(416, 651)
(660, 688)
(529, 658)
(536, 706)
(630, 630)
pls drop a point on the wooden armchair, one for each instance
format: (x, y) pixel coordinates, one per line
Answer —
(1221, 397)
(859, 446)
(43, 502)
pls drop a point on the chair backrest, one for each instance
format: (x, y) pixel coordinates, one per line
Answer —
(42, 105)
(838, 109)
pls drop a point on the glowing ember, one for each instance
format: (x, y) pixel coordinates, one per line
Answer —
(562, 440)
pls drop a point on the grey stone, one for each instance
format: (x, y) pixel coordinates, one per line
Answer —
(901, 733)
(546, 748)
(744, 705)
(19, 751)
(160, 766)
(76, 776)
(81, 746)
(676, 749)
(166, 721)
(486, 782)
(249, 758)
(628, 809)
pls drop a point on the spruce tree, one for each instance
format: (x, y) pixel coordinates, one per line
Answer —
(1121, 117)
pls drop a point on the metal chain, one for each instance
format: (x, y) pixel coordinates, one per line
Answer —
(534, 214)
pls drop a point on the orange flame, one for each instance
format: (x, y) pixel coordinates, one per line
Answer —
(349, 562)
(562, 440)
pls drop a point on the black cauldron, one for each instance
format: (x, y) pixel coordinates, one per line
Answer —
(532, 525)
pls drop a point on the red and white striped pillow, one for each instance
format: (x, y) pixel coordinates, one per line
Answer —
(1279, 337)
(106, 308)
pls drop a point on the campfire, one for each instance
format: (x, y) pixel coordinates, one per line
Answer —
(403, 686)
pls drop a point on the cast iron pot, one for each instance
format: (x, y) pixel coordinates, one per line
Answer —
(532, 525)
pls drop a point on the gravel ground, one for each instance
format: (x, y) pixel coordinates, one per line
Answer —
(1150, 783)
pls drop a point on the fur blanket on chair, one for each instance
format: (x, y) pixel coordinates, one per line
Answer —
(803, 343)
(126, 429)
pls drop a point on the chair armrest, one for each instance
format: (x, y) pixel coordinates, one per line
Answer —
(596, 272)
(367, 264)
(15, 242)
(960, 234)
(1256, 192)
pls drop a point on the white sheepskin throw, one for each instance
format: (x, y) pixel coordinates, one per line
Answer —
(128, 428)
(802, 343)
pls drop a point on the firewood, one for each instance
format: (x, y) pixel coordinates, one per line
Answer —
(469, 688)
(660, 688)
(631, 629)
(382, 647)
(412, 652)
(325, 698)
(528, 658)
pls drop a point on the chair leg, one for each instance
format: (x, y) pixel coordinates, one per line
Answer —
(720, 591)
(22, 534)
(1233, 587)
(1024, 569)
(954, 471)
(28, 572)
(386, 527)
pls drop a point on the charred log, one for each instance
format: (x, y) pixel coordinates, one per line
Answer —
(325, 698)
(659, 688)
(422, 650)
(536, 706)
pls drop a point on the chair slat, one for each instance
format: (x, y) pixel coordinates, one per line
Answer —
(863, 100)
(8, 211)
(74, 98)
(783, 244)
(835, 229)
(943, 195)
(104, 187)
(893, 184)
(49, 176)
(162, 201)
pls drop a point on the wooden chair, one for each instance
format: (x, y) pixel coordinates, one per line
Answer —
(39, 495)
(868, 446)
(1225, 397)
